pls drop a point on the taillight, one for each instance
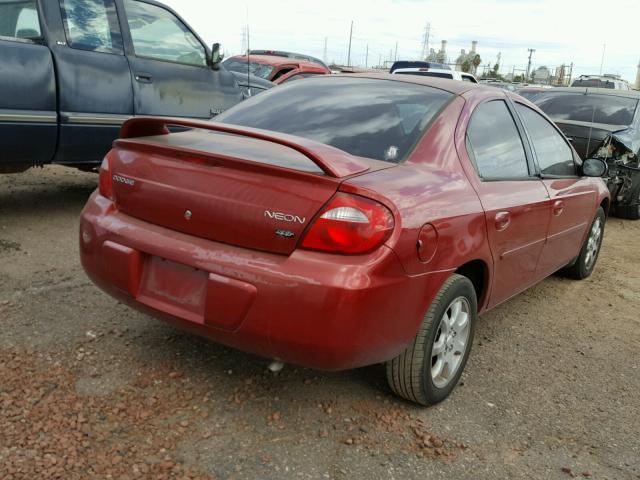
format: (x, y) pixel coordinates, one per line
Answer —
(105, 184)
(350, 224)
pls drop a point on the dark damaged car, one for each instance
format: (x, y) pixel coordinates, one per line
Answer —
(601, 123)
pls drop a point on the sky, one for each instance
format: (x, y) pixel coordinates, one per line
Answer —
(560, 31)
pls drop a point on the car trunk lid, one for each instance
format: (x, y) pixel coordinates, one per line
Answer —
(235, 185)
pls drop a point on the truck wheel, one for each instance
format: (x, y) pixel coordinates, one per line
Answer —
(630, 211)
(586, 261)
(430, 368)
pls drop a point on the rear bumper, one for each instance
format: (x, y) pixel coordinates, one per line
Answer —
(321, 311)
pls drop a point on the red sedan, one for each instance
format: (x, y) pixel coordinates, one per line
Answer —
(345, 221)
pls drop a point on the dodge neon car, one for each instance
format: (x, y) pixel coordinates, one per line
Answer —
(345, 221)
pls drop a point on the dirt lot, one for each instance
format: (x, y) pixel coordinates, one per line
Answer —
(91, 389)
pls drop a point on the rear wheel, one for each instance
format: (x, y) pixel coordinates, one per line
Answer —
(430, 368)
(586, 261)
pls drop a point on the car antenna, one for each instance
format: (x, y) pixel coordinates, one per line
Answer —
(248, 53)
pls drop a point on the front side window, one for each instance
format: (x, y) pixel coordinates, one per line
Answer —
(554, 155)
(379, 119)
(495, 144)
(92, 25)
(159, 34)
(19, 19)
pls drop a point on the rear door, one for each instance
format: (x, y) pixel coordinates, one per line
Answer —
(28, 119)
(170, 67)
(572, 197)
(94, 80)
(514, 199)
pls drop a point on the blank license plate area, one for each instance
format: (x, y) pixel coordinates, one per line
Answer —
(180, 288)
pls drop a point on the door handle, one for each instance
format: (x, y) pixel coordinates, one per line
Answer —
(558, 207)
(143, 78)
(502, 219)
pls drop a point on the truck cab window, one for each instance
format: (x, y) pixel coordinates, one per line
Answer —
(160, 35)
(92, 25)
(19, 19)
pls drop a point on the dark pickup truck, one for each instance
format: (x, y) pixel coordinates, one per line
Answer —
(71, 71)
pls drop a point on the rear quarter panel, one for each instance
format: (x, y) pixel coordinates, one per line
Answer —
(431, 187)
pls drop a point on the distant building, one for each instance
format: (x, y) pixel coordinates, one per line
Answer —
(440, 56)
(541, 75)
(468, 62)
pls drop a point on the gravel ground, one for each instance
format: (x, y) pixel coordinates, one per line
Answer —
(92, 389)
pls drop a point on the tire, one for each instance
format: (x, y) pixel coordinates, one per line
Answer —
(588, 257)
(411, 374)
(632, 211)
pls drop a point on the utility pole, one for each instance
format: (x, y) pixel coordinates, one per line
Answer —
(395, 58)
(570, 73)
(604, 49)
(244, 40)
(366, 57)
(425, 42)
(350, 37)
(379, 60)
(324, 57)
(531, 50)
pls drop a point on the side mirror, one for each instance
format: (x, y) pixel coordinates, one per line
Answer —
(217, 55)
(594, 167)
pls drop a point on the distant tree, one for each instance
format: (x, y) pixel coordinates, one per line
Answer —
(476, 62)
(466, 66)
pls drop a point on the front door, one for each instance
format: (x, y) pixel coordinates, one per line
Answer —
(94, 80)
(572, 197)
(514, 199)
(170, 68)
(28, 118)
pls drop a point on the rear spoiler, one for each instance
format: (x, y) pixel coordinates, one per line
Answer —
(332, 161)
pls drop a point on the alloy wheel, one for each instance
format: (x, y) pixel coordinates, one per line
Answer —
(593, 244)
(451, 342)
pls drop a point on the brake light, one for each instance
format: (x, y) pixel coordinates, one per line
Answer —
(105, 183)
(349, 225)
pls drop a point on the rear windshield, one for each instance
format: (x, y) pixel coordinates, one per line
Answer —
(379, 119)
(416, 64)
(593, 82)
(258, 69)
(428, 74)
(607, 109)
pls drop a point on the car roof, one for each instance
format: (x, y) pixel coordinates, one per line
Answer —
(276, 60)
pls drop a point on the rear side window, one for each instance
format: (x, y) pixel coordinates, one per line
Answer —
(495, 144)
(607, 109)
(379, 119)
(468, 78)
(19, 19)
(159, 34)
(554, 155)
(92, 25)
